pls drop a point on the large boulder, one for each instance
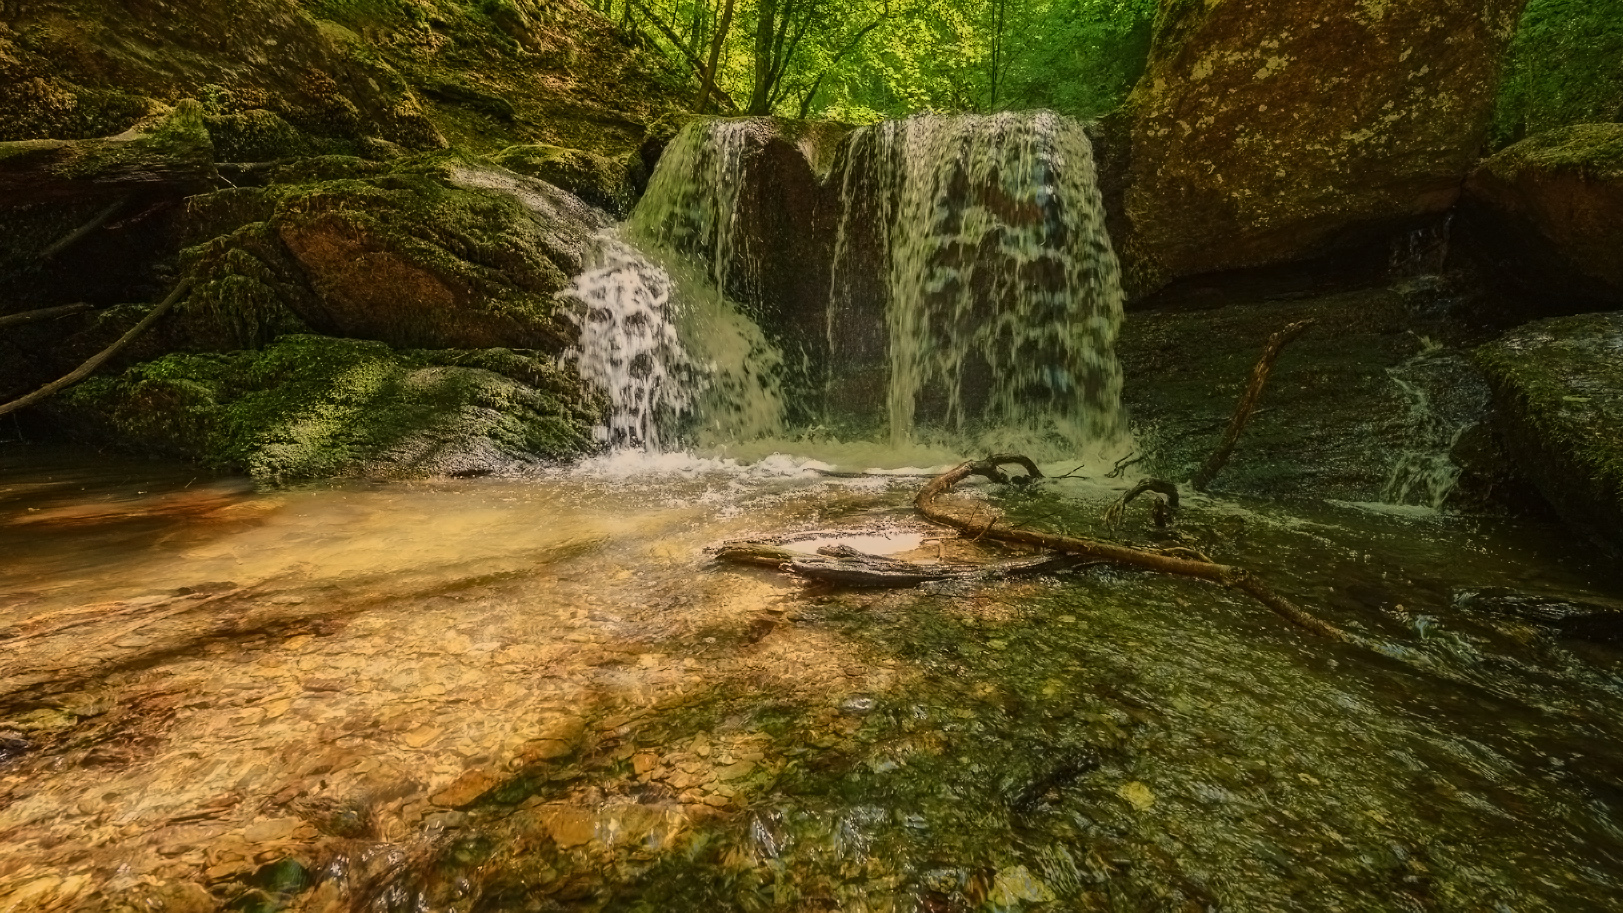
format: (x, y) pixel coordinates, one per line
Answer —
(1558, 390)
(310, 407)
(1266, 131)
(1549, 212)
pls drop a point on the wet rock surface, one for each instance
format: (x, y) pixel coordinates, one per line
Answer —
(1230, 168)
(489, 693)
(1558, 389)
(1548, 212)
(1359, 408)
(311, 407)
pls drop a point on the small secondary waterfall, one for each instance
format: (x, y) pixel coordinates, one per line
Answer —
(1445, 400)
(972, 293)
(679, 362)
(1003, 291)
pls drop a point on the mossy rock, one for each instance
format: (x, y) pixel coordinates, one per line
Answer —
(1558, 390)
(1231, 169)
(597, 179)
(1549, 211)
(435, 252)
(256, 136)
(312, 407)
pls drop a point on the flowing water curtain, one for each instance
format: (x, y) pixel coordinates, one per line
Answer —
(1003, 293)
(679, 361)
(629, 347)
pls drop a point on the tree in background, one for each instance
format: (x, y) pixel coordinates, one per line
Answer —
(1565, 67)
(862, 60)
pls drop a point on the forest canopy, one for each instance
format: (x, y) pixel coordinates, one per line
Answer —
(863, 60)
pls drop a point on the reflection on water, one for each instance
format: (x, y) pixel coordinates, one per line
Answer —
(537, 694)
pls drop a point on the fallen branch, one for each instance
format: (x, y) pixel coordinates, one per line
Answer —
(1166, 505)
(846, 566)
(100, 358)
(929, 504)
(43, 314)
(1248, 403)
(82, 232)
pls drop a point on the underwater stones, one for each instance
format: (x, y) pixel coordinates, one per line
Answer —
(1558, 390)
(314, 407)
(466, 789)
(1265, 131)
(1548, 212)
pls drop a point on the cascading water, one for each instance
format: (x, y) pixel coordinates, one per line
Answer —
(1445, 400)
(973, 290)
(1003, 292)
(680, 363)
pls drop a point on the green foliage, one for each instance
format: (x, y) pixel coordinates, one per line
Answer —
(1565, 67)
(862, 60)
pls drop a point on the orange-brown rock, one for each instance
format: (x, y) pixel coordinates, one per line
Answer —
(1265, 131)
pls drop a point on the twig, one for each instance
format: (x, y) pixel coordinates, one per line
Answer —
(100, 358)
(1248, 403)
(83, 231)
(1118, 508)
(43, 314)
(1235, 578)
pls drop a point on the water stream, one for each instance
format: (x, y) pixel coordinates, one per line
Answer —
(539, 693)
(490, 695)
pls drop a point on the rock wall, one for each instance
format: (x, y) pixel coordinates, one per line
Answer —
(1265, 131)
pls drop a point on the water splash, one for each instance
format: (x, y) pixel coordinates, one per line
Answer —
(680, 364)
(1445, 400)
(629, 347)
(1003, 293)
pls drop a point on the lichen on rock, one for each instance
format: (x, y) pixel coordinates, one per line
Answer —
(1264, 132)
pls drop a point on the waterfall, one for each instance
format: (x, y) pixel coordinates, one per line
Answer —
(950, 275)
(1002, 292)
(679, 362)
(1445, 399)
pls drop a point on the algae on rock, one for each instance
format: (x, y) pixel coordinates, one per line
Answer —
(310, 407)
(1558, 390)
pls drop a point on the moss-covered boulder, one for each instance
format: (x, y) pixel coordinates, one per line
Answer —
(598, 179)
(1558, 392)
(1549, 212)
(1565, 67)
(419, 74)
(310, 407)
(1265, 131)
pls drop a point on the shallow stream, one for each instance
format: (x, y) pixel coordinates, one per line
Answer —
(541, 694)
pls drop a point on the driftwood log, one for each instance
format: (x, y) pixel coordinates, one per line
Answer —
(172, 159)
(932, 504)
(848, 567)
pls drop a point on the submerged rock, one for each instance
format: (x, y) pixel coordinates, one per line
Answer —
(1549, 212)
(1599, 621)
(1558, 392)
(315, 407)
(1264, 132)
